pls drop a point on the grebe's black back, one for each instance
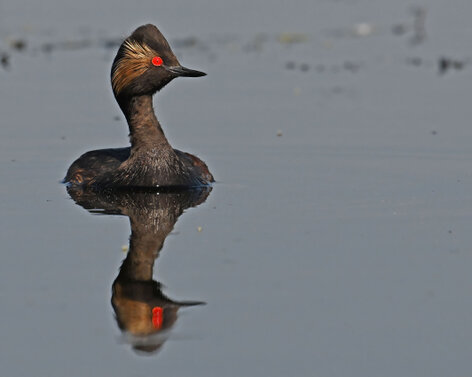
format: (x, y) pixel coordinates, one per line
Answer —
(143, 65)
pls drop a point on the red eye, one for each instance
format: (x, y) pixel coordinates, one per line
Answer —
(157, 61)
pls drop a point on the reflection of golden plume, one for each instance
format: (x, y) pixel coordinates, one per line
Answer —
(135, 316)
(134, 61)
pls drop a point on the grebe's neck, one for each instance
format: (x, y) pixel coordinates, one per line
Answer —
(145, 130)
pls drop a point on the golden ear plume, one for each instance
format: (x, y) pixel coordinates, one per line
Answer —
(134, 61)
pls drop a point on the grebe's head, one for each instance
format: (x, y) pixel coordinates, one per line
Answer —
(145, 63)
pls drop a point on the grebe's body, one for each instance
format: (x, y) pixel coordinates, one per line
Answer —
(143, 65)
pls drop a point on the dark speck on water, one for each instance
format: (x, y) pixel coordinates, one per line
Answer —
(399, 29)
(18, 44)
(351, 66)
(5, 60)
(419, 25)
(415, 61)
(445, 64)
(304, 67)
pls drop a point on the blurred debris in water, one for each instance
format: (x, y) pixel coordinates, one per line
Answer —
(445, 64)
(415, 61)
(419, 27)
(18, 44)
(399, 29)
(348, 65)
(292, 38)
(413, 28)
(5, 60)
(351, 66)
(304, 67)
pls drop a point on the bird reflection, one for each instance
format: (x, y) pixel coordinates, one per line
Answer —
(143, 313)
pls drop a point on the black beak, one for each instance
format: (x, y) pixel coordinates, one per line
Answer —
(186, 72)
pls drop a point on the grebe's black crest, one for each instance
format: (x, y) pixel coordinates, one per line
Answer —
(143, 65)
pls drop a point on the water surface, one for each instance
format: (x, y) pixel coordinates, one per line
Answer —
(336, 241)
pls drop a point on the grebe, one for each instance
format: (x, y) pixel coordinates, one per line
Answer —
(143, 65)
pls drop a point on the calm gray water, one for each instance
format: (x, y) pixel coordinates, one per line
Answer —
(337, 240)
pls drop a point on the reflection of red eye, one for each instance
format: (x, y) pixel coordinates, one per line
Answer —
(157, 61)
(157, 317)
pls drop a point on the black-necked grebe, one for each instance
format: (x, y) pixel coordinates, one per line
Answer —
(143, 65)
